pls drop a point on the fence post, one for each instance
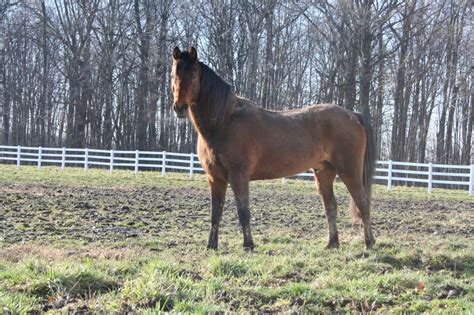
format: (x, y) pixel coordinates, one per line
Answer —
(18, 156)
(163, 163)
(40, 152)
(137, 156)
(389, 175)
(86, 159)
(430, 177)
(111, 166)
(191, 165)
(471, 181)
(63, 159)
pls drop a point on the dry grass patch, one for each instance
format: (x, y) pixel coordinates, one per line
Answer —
(18, 252)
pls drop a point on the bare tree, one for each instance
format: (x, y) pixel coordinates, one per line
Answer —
(96, 73)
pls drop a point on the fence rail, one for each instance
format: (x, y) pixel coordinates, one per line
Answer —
(389, 172)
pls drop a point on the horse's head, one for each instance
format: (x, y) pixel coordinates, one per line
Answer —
(185, 80)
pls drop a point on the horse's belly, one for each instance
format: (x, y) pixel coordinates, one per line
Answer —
(272, 174)
(278, 166)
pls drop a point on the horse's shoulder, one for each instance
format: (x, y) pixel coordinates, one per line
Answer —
(243, 110)
(243, 105)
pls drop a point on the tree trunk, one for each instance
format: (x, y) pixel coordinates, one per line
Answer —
(80, 119)
(44, 80)
(466, 109)
(142, 88)
(449, 84)
(449, 129)
(400, 103)
(379, 95)
(366, 50)
(350, 80)
(413, 126)
(268, 64)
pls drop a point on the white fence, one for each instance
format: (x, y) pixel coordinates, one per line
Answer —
(389, 172)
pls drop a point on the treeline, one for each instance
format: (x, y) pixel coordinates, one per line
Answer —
(96, 73)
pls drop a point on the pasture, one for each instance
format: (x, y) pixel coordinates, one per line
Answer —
(99, 242)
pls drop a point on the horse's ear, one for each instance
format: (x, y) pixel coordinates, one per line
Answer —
(193, 54)
(176, 53)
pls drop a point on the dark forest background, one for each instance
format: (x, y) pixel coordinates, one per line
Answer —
(96, 73)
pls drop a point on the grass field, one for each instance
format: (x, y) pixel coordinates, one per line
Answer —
(97, 242)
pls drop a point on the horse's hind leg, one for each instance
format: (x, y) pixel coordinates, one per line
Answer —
(324, 181)
(355, 215)
(354, 184)
(218, 189)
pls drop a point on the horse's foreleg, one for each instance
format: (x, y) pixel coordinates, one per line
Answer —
(240, 186)
(218, 189)
(325, 180)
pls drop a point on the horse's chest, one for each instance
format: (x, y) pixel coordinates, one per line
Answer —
(210, 161)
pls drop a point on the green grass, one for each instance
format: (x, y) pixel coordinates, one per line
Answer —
(119, 242)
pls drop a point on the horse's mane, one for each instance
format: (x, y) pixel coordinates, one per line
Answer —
(213, 98)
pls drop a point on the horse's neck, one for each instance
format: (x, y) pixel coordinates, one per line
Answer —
(198, 122)
(203, 123)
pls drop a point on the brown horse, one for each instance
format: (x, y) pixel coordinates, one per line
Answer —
(239, 142)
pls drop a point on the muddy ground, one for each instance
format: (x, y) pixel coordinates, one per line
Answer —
(166, 215)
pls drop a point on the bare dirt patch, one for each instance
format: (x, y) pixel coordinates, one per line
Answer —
(44, 213)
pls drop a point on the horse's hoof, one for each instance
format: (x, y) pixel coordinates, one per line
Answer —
(369, 244)
(249, 247)
(332, 245)
(212, 246)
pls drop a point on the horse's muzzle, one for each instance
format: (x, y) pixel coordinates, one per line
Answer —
(180, 109)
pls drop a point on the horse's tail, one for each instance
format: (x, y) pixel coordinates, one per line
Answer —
(369, 165)
(370, 154)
